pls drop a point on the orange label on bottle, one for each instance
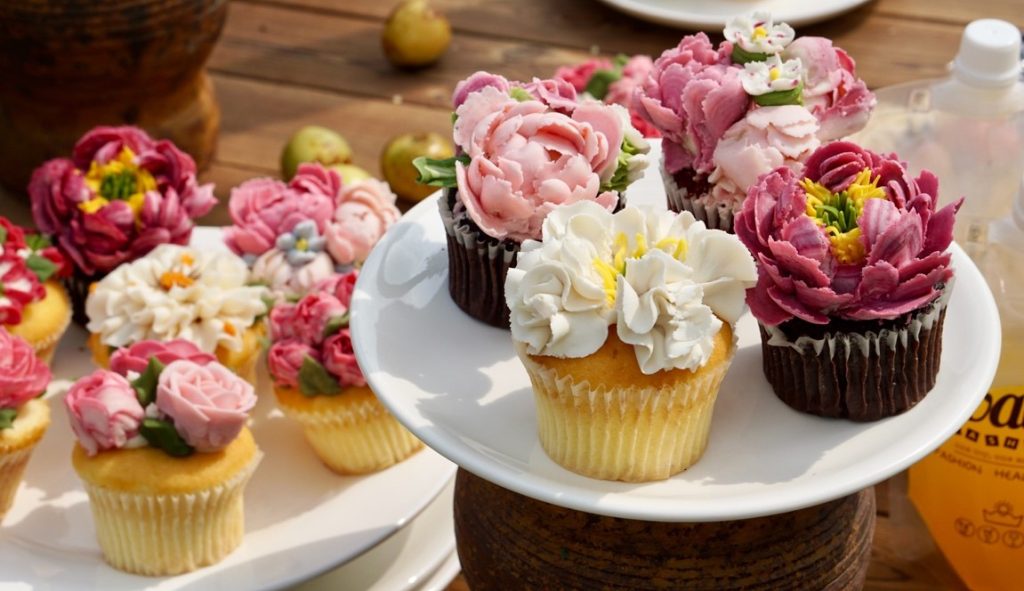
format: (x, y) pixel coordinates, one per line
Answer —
(970, 493)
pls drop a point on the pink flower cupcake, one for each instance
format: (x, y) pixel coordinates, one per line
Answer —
(120, 195)
(23, 416)
(318, 383)
(758, 101)
(164, 455)
(854, 277)
(614, 82)
(296, 235)
(524, 150)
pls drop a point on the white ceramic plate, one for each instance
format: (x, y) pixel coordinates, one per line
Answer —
(713, 14)
(444, 575)
(301, 518)
(457, 384)
(404, 561)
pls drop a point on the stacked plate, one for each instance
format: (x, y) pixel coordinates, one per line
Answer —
(390, 530)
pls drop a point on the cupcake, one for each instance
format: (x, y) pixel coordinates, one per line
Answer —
(523, 151)
(758, 101)
(625, 325)
(33, 304)
(164, 456)
(614, 82)
(119, 196)
(318, 383)
(175, 292)
(23, 416)
(853, 281)
(296, 235)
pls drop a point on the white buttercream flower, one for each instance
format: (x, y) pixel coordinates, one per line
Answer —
(758, 33)
(772, 75)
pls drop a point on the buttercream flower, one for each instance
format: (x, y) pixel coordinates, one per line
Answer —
(832, 91)
(104, 411)
(301, 245)
(23, 376)
(692, 96)
(312, 178)
(19, 286)
(556, 93)
(273, 269)
(282, 321)
(579, 75)
(208, 403)
(762, 141)
(12, 237)
(285, 359)
(364, 212)
(756, 36)
(136, 357)
(831, 243)
(313, 314)
(771, 76)
(477, 82)
(263, 209)
(621, 92)
(120, 195)
(341, 285)
(339, 358)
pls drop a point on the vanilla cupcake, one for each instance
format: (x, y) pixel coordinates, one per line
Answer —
(164, 457)
(318, 383)
(180, 292)
(33, 303)
(625, 325)
(23, 417)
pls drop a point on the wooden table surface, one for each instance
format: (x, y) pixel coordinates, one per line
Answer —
(281, 64)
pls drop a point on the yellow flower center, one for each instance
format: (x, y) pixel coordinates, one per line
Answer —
(774, 74)
(172, 279)
(230, 329)
(838, 213)
(119, 179)
(609, 271)
(302, 244)
(759, 33)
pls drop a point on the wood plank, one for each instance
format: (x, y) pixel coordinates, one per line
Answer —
(954, 11)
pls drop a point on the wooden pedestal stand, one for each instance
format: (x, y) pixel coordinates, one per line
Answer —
(508, 541)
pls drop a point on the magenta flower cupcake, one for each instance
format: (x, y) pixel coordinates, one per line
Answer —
(758, 101)
(854, 277)
(523, 150)
(119, 196)
(298, 234)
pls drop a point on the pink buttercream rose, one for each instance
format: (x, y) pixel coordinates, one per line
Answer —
(767, 138)
(579, 75)
(841, 101)
(365, 211)
(313, 313)
(23, 376)
(339, 358)
(285, 358)
(526, 160)
(341, 285)
(136, 356)
(553, 92)
(282, 321)
(104, 411)
(477, 82)
(263, 209)
(208, 403)
(315, 178)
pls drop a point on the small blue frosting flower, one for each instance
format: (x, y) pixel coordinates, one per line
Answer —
(302, 244)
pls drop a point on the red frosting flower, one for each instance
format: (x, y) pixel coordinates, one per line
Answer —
(853, 236)
(23, 376)
(18, 287)
(120, 195)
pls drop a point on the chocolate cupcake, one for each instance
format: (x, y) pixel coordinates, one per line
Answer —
(759, 100)
(854, 280)
(524, 150)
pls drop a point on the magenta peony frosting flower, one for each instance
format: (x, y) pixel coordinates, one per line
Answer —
(135, 357)
(263, 209)
(851, 236)
(104, 411)
(339, 358)
(120, 195)
(208, 403)
(285, 359)
(365, 210)
(833, 93)
(23, 376)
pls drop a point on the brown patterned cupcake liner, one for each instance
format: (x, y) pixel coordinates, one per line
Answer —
(681, 198)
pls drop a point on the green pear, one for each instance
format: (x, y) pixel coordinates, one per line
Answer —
(415, 35)
(396, 162)
(314, 144)
(350, 173)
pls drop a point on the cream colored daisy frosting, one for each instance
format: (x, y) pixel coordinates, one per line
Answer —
(176, 292)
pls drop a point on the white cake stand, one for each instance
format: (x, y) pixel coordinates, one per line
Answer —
(457, 384)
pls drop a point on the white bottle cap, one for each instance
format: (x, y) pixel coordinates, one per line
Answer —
(989, 54)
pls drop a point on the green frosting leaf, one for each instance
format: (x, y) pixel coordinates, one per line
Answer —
(742, 56)
(145, 384)
(3, 234)
(620, 179)
(455, 117)
(7, 417)
(335, 324)
(520, 94)
(621, 60)
(37, 241)
(43, 267)
(314, 380)
(161, 434)
(782, 97)
(599, 82)
(438, 173)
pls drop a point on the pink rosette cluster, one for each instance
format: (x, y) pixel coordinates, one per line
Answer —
(119, 196)
(314, 334)
(832, 92)
(208, 403)
(886, 258)
(135, 357)
(617, 85)
(23, 376)
(580, 74)
(364, 211)
(525, 159)
(105, 412)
